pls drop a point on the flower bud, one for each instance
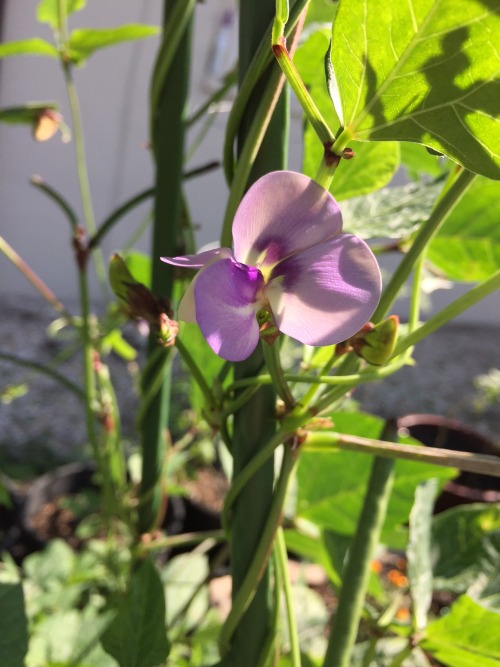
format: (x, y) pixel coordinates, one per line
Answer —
(375, 343)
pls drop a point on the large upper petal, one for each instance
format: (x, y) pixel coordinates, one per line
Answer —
(326, 293)
(226, 295)
(282, 213)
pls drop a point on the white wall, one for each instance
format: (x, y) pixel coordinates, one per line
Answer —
(113, 89)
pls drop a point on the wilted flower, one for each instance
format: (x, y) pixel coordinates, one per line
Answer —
(291, 258)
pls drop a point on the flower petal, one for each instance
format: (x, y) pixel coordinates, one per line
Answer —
(283, 213)
(226, 297)
(199, 260)
(325, 294)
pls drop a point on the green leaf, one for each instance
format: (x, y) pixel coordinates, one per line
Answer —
(14, 634)
(321, 11)
(425, 71)
(467, 247)
(139, 265)
(84, 42)
(183, 577)
(28, 47)
(137, 637)
(331, 485)
(373, 165)
(465, 546)
(393, 213)
(418, 162)
(419, 551)
(468, 636)
(48, 10)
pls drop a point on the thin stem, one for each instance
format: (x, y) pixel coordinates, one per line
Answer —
(319, 124)
(445, 204)
(195, 371)
(34, 279)
(416, 294)
(451, 311)
(229, 82)
(278, 378)
(182, 540)
(482, 464)
(63, 204)
(248, 587)
(281, 557)
(357, 570)
(120, 212)
(45, 370)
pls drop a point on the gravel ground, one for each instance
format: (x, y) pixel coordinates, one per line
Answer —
(47, 423)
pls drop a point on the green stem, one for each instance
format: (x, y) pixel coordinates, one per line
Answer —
(169, 91)
(45, 370)
(63, 204)
(281, 557)
(482, 464)
(112, 219)
(278, 378)
(357, 570)
(416, 293)
(219, 94)
(445, 204)
(248, 587)
(195, 371)
(448, 313)
(319, 124)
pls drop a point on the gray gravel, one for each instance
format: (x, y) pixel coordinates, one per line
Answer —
(48, 422)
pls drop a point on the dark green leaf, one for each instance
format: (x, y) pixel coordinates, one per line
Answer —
(373, 165)
(48, 10)
(425, 71)
(28, 47)
(393, 213)
(419, 551)
(468, 636)
(84, 42)
(465, 546)
(419, 163)
(467, 247)
(321, 11)
(14, 631)
(137, 637)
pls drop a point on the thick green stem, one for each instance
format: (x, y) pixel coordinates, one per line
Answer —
(281, 558)
(357, 570)
(448, 200)
(169, 92)
(254, 423)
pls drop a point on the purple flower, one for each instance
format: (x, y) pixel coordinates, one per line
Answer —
(290, 257)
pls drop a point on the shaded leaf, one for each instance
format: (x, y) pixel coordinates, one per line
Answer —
(465, 546)
(331, 485)
(467, 247)
(48, 10)
(418, 162)
(419, 551)
(468, 636)
(14, 635)
(393, 213)
(425, 71)
(84, 42)
(137, 636)
(182, 579)
(373, 165)
(28, 47)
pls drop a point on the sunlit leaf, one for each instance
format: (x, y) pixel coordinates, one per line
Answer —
(84, 42)
(28, 47)
(373, 165)
(425, 71)
(468, 636)
(48, 10)
(467, 247)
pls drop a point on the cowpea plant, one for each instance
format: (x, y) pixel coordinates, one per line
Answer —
(293, 316)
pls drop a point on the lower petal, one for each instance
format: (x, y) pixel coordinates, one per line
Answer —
(325, 294)
(226, 301)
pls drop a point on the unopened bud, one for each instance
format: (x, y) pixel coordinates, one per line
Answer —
(375, 343)
(46, 124)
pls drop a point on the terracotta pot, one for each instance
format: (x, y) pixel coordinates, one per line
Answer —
(437, 431)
